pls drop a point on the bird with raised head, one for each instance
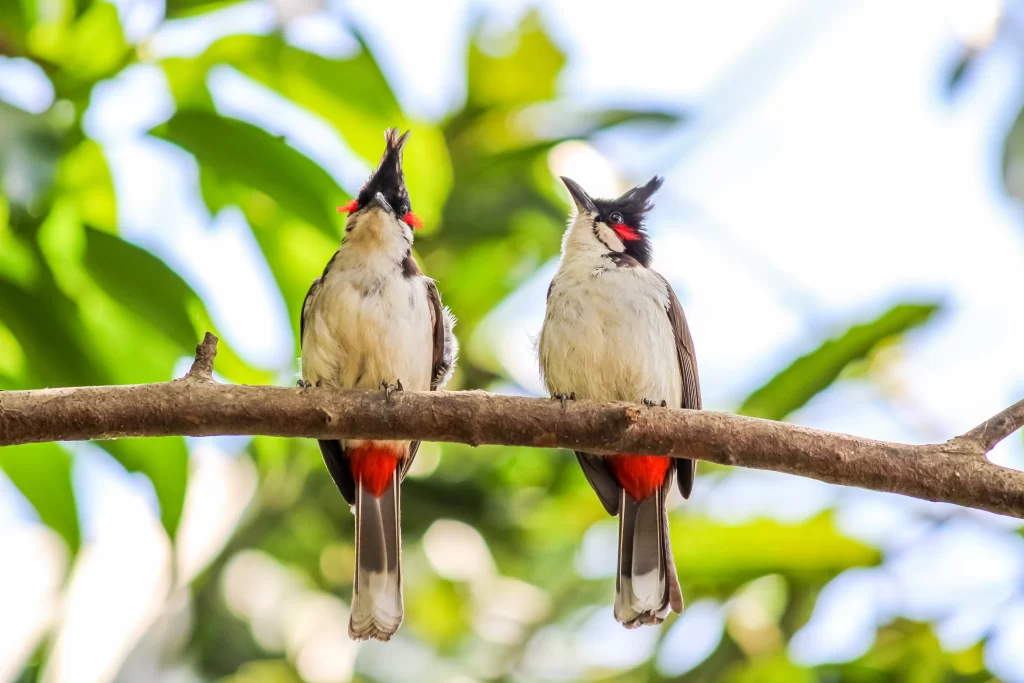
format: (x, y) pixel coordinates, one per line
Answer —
(615, 331)
(372, 320)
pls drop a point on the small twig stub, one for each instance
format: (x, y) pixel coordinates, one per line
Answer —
(202, 366)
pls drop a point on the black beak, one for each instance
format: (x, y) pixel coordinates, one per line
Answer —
(379, 202)
(583, 201)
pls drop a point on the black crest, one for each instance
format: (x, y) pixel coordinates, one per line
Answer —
(389, 179)
(632, 206)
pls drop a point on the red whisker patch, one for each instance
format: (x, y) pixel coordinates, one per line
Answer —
(625, 232)
(350, 207)
(413, 220)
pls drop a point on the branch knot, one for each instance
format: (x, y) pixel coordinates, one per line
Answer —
(202, 366)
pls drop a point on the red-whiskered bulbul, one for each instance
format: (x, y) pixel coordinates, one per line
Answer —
(614, 331)
(374, 319)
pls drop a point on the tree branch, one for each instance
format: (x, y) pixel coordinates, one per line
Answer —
(953, 472)
(993, 430)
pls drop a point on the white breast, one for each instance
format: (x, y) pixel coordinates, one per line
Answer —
(366, 323)
(607, 335)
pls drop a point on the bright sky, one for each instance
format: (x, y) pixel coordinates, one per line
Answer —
(824, 178)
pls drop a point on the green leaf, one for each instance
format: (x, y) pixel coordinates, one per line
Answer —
(12, 358)
(261, 161)
(16, 18)
(526, 72)
(96, 47)
(42, 472)
(164, 461)
(773, 669)
(186, 79)
(144, 284)
(17, 260)
(84, 178)
(30, 148)
(706, 550)
(88, 49)
(50, 332)
(812, 373)
(184, 8)
(908, 651)
(1013, 159)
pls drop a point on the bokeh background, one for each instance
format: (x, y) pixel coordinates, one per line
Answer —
(841, 221)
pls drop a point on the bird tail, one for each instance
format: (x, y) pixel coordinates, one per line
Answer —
(377, 590)
(646, 586)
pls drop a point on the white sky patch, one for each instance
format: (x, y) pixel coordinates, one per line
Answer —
(24, 84)
(128, 105)
(323, 35)
(220, 488)
(118, 586)
(601, 642)
(844, 620)
(420, 48)
(597, 556)
(1002, 651)
(190, 36)
(579, 161)
(29, 591)
(694, 636)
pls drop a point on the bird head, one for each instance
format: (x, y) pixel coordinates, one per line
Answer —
(612, 225)
(382, 210)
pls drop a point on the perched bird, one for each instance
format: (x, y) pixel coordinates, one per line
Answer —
(614, 330)
(373, 319)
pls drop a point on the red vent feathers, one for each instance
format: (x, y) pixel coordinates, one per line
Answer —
(640, 475)
(350, 207)
(374, 462)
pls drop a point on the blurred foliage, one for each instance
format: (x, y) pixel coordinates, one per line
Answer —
(1013, 158)
(79, 304)
(963, 60)
(812, 373)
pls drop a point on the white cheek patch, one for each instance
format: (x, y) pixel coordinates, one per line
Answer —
(610, 238)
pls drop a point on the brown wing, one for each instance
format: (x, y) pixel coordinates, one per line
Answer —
(601, 479)
(443, 339)
(444, 351)
(305, 308)
(685, 468)
(334, 455)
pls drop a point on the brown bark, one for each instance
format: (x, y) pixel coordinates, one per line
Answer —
(954, 472)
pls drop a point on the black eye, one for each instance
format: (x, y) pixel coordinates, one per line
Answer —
(615, 217)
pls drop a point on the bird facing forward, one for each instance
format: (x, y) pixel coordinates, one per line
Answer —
(373, 319)
(615, 331)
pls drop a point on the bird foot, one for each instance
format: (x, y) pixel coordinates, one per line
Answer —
(562, 398)
(305, 384)
(651, 404)
(391, 388)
